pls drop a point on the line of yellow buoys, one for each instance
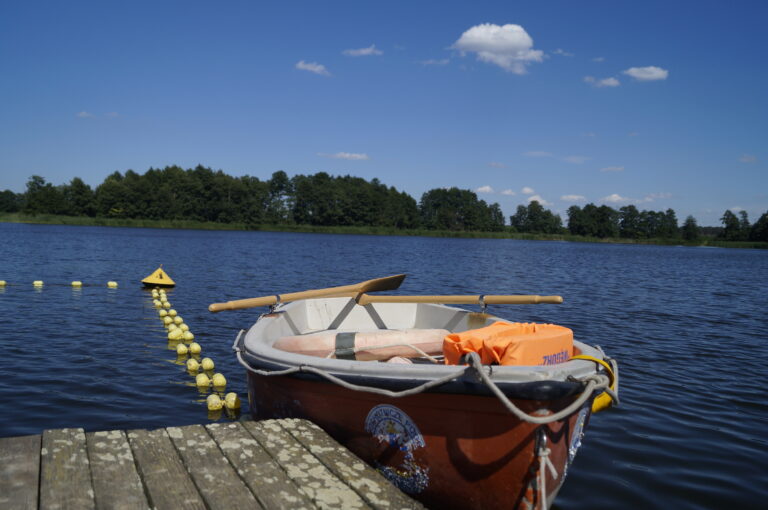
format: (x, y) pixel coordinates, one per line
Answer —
(188, 352)
(76, 283)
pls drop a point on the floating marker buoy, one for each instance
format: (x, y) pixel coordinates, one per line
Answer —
(158, 278)
(174, 334)
(184, 327)
(162, 312)
(172, 312)
(207, 364)
(187, 335)
(167, 320)
(201, 380)
(213, 402)
(232, 401)
(157, 303)
(112, 285)
(77, 283)
(178, 320)
(2, 283)
(193, 365)
(166, 305)
(37, 283)
(194, 347)
(171, 327)
(219, 380)
(181, 350)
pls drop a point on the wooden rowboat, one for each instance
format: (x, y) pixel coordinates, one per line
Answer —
(451, 436)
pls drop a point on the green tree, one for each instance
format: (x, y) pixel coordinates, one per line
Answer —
(10, 202)
(759, 231)
(535, 219)
(629, 222)
(690, 230)
(731, 226)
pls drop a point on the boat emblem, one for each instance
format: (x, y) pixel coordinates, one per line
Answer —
(396, 430)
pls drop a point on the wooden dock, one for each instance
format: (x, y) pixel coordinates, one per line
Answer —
(281, 464)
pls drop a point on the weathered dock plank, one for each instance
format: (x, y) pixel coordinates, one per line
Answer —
(213, 475)
(167, 482)
(371, 485)
(312, 477)
(116, 483)
(65, 478)
(268, 482)
(19, 472)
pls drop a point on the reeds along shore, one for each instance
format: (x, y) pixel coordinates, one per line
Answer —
(52, 219)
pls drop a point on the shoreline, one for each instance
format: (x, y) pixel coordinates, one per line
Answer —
(50, 219)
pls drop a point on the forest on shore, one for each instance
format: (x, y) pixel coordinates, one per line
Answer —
(202, 195)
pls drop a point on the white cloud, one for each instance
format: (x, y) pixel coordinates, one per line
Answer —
(576, 160)
(598, 59)
(612, 169)
(650, 73)
(573, 198)
(508, 46)
(84, 115)
(615, 198)
(345, 155)
(496, 164)
(435, 62)
(538, 199)
(484, 189)
(605, 82)
(538, 154)
(748, 158)
(655, 196)
(736, 209)
(527, 191)
(562, 53)
(508, 192)
(363, 52)
(312, 67)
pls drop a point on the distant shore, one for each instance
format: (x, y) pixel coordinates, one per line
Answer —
(51, 219)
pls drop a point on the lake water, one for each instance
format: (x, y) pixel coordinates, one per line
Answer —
(689, 327)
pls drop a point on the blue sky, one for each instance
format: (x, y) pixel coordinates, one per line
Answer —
(660, 104)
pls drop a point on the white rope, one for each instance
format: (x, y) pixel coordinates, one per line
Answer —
(593, 382)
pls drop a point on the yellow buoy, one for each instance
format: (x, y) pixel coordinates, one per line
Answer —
(158, 278)
(187, 335)
(77, 283)
(219, 380)
(193, 365)
(184, 327)
(157, 303)
(171, 327)
(167, 320)
(172, 312)
(112, 285)
(213, 402)
(166, 305)
(201, 380)
(37, 283)
(2, 283)
(181, 350)
(232, 401)
(178, 320)
(194, 347)
(207, 364)
(162, 312)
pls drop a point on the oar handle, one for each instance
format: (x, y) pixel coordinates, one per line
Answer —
(462, 300)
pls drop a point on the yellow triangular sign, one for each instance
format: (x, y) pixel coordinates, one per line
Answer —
(159, 278)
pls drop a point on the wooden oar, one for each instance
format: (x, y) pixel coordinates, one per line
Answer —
(462, 300)
(375, 285)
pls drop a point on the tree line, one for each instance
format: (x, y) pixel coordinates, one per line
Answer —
(202, 194)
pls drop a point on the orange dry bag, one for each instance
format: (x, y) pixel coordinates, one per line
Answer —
(517, 343)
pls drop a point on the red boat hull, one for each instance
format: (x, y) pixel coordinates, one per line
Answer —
(445, 450)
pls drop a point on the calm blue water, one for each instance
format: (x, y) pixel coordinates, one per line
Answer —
(688, 325)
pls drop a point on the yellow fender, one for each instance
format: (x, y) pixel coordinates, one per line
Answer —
(603, 401)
